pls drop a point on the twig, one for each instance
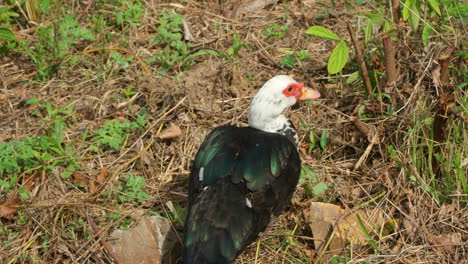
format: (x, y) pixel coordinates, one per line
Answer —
(362, 63)
(367, 151)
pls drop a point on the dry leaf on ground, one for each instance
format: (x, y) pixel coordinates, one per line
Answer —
(172, 131)
(322, 218)
(445, 243)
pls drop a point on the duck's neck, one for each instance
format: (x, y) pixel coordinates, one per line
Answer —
(279, 124)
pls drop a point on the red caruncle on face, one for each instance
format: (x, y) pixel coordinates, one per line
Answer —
(293, 89)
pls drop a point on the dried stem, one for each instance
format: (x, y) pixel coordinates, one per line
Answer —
(390, 65)
(396, 11)
(444, 62)
(362, 64)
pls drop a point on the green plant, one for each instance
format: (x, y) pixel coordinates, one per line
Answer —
(340, 53)
(44, 152)
(311, 183)
(174, 52)
(114, 133)
(124, 61)
(290, 60)
(275, 30)
(128, 92)
(55, 43)
(124, 223)
(129, 13)
(7, 15)
(237, 45)
(132, 189)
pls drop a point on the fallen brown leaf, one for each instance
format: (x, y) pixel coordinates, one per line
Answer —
(80, 178)
(9, 207)
(323, 217)
(92, 186)
(172, 131)
(7, 212)
(445, 243)
(102, 176)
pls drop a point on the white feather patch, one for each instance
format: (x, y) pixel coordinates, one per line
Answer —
(248, 203)
(200, 174)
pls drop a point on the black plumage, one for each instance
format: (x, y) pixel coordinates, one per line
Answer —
(237, 163)
(242, 176)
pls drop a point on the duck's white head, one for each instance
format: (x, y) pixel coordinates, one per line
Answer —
(276, 95)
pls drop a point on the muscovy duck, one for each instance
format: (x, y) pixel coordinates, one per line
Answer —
(243, 175)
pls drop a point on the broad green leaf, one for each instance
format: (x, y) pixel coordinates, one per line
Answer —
(374, 17)
(414, 17)
(321, 32)
(320, 188)
(406, 9)
(435, 6)
(6, 33)
(426, 34)
(338, 58)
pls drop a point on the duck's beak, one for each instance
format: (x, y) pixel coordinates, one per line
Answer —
(308, 94)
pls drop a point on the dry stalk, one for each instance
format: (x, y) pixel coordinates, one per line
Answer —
(362, 63)
(390, 65)
(395, 11)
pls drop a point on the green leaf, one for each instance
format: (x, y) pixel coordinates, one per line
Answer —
(435, 6)
(320, 188)
(22, 192)
(406, 9)
(288, 61)
(368, 32)
(353, 77)
(321, 32)
(323, 139)
(302, 54)
(338, 58)
(414, 17)
(32, 101)
(374, 17)
(204, 52)
(312, 140)
(6, 33)
(426, 34)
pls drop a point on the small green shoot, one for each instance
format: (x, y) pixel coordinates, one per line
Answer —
(275, 30)
(290, 60)
(311, 184)
(132, 190)
(237, 45)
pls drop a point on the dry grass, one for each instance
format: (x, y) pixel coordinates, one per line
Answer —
(62, 221)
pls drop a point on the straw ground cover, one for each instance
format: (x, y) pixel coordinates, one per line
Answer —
(88, 87)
